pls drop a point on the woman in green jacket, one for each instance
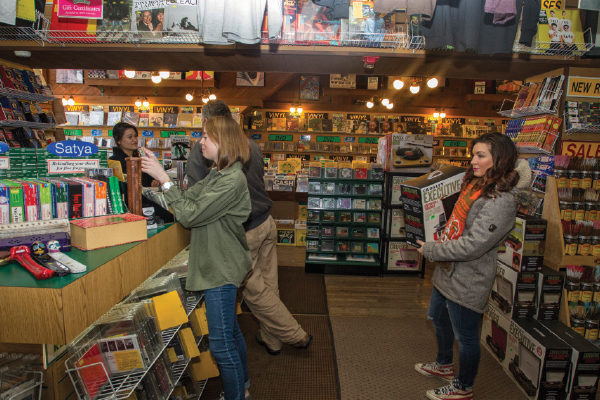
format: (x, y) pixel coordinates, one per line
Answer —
(215, 209)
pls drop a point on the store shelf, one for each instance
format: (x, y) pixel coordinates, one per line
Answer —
(146, 83)
(557, 49)
(452, 137)
(527, 111)
(26, 124)
(178, 369)
(22, 95)
(190, 305)
(315, 132)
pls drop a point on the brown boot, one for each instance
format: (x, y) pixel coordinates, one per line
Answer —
(304, 343)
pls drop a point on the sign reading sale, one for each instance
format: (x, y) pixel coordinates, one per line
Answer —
(580, 149)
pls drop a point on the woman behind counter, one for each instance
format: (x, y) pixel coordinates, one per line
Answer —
(215, 209)
(466, 254)
(126, 140)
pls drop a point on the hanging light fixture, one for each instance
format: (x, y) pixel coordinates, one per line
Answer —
(71, 101)
(129, 74)
(296, 110)
(138, 102)
(156, 77)
(370, 104)
(145, 102)
(414, 89)
(436, 114)
(64, 101)
(390, 106)
(385, 102)
(205, 97)
(164, 74)
(190, 96)
(398, 84)
(442, 114)
(432, 82)
(212, 97)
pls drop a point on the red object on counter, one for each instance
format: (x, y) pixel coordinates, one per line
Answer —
(22, 255)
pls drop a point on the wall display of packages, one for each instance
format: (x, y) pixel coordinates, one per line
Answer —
(15, 80)
(344, 211)
(582, 287)
(534, 134)
(578, 183)
(582, 116)
(141, 342)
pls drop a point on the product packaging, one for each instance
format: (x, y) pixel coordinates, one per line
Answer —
(514, 293)
(550, 288)
(524, 247)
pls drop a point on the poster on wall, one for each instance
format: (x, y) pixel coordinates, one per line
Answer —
(309, 87)
(561, 29)
(342, 81)
(90, 9)
(250, 79)
(69, 76)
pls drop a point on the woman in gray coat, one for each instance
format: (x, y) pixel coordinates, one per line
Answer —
(466, 254)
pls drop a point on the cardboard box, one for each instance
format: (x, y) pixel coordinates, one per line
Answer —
(585, 361)
(428, 202)
(109, 230)
(550, 289)
(514, 293)
(525, 244)
(537, 360)
(494, 333)
(410, 153)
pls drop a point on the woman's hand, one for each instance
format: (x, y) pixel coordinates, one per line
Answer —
(155, 183)
(420, 249)
(152, 167)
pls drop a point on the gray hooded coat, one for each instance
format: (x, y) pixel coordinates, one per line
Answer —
(473, 256)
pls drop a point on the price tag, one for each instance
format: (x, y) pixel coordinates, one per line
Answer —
(147, 133)
(96, 132)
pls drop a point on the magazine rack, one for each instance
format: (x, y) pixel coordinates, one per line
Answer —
(507, 111)
(571, 128)
(15, 385)
(558, 49)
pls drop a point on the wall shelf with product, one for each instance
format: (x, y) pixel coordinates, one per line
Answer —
(398, 257)
(344, 218)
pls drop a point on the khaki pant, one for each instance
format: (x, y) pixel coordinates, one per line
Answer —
(261, 289)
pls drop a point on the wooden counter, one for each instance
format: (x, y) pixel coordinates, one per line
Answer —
(56, 310)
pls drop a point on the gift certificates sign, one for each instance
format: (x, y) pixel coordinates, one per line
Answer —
(71, 166)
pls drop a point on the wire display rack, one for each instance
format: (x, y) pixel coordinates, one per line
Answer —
(178, 368)
(528, 111)
(113, 387)
(25, 124)
(22, 95)
(19, 385)
(192, 302)
(566, 50)
(578, 127)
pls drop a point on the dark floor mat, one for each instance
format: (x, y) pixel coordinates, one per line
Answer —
(302, 293)
(293, 374)
(376, 358)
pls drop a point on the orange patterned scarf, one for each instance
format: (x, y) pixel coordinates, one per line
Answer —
(456, 223)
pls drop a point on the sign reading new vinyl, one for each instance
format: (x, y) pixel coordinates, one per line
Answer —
(68, 149)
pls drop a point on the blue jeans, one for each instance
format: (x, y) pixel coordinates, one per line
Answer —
(453, 320)
(227, 344)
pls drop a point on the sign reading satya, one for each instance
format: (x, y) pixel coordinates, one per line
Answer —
(71, 166)
(580, 149)
(583, 87)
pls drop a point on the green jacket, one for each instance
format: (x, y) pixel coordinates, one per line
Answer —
(215, 209)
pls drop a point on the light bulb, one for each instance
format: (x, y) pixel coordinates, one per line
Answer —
(443, 114)
(164, 74)
(433, 82)
(415, 89)
(436, 114)
(189, 97)
(385, 102)
(138, 102)
(129, 74)
(145, 103)
(205, 99)
(369, 104)
(71, 101)
(299, 109)
(156, 78)
(212, 97)
(64, 101)
(390, 106)
(292, 109)
(398, 84)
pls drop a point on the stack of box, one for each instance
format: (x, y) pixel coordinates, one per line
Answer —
(18, 164)
(43, 158)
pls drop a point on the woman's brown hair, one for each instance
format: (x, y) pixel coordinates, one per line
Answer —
(233, 144)
(501, 177)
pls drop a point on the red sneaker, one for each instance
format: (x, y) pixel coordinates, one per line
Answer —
(445, 372)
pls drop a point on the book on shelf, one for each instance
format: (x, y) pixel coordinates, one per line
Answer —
(132, 118)
(278, 124)
(84, 119)
(156, 119)
(170, 120)
(327, 125)
(291, 124)
(315, 125)
(197, 120)
(185, 120)
(144, 119)
(114, 117)
(338, 124)
(521, 97)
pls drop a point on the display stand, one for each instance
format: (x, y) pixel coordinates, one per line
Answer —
(394, 233)
(344, 224)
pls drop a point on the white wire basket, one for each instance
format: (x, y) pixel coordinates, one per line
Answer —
(507, 109)
(566, 50)
(21, 384)
(578, 127)
(22, 95)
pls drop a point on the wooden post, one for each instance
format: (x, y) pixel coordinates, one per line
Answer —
(134, 185)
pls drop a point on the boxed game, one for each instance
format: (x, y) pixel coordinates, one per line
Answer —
(494, 333)
(549, 292)
(514, 293)
(524, 250)
(537, 360)
(428, 203)
(585, 361)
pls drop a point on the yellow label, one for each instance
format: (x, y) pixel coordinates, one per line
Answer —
(583, 87)
(591, 334)
(596, 250)
(586, 296)
(128, 360)
(586, 183)
(26, 9)
(584, 249)
(579, 215)
(574, 183)
(563, 182)
(573, 296)
(580, 330)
